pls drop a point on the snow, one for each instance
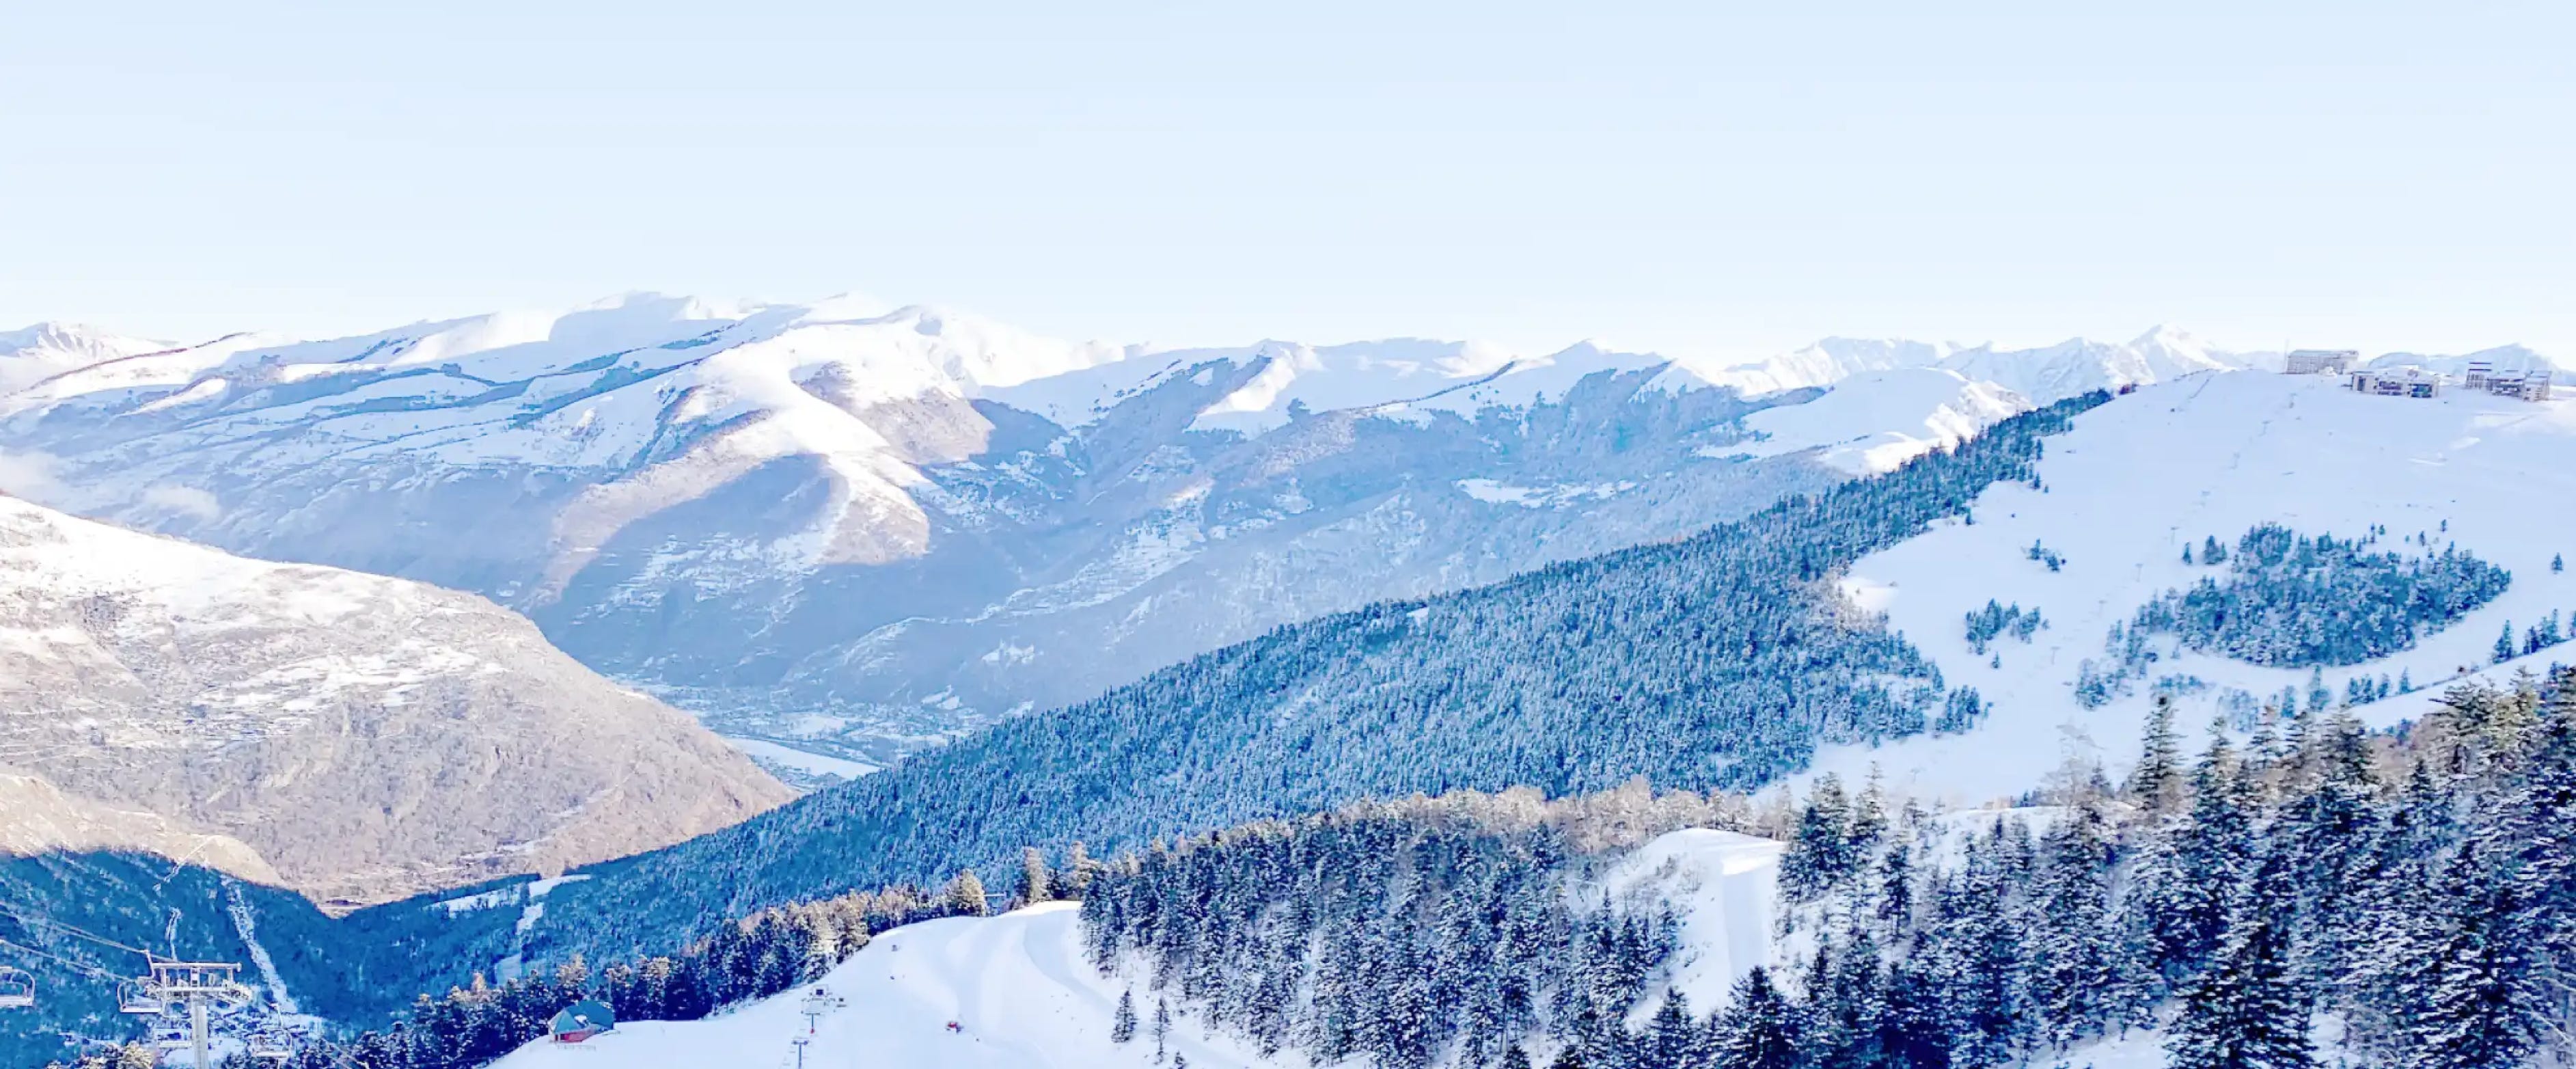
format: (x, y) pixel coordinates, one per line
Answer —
(1400, 378)
(1876, 421)
(1017, 984)
(32, 354)
(2209, 455)
(1559, 496)
(805, 761)
(1724, 887)
(1027, 998)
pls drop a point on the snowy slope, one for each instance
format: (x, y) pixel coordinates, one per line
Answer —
(2210, 455)
(1026, 997)
(32, 354)
(1874, 421)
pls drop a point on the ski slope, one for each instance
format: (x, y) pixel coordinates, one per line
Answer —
(1025, 997)
(2211, 455)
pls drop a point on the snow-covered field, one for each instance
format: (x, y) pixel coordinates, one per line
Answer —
(2212, 455)
(1024, 996)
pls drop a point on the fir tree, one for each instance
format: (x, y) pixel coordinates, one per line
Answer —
(2157, 782)
(1035, 885)
(1758, 1029)
(966, 895)
(2483, 1008)
(1162, 1027)
(1820, 850)
(2245, 1010)
(1515, 1058)
(1122, 1024)
(2504, 644)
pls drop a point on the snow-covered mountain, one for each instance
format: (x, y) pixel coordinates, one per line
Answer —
(852, 530)
(349, 735)
(32, 354)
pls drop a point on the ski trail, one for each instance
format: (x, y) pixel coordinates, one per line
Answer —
(248, 927)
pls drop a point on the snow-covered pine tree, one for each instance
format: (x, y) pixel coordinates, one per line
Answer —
(1820, 851)
(1758, 1028)
(1162, 1028)
(2157, 782)
(1122, 1023)
(2246, 1009)
(1035, 885)
(2073, 959)
(966, 895)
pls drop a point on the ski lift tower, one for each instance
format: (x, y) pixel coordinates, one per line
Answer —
(199, 985)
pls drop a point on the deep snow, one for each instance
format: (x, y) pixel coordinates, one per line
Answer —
(2211, 455)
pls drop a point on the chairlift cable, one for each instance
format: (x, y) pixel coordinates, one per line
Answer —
(81, 965)
(33, 916)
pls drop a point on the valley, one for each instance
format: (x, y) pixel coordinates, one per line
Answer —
(1808, 640)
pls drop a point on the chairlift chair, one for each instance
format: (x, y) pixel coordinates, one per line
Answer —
(268, 1046)
(132, 998)
(17, 989)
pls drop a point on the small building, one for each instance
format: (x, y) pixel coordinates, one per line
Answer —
(2396, 382)
(2531, 385)
(582, 1021)
(2480, 374)
(2320, 361)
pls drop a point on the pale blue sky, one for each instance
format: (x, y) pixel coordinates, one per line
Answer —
(1710, 178)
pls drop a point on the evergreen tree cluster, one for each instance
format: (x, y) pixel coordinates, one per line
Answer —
(2295, 601)
(1720, 661)
(1375, 937)
(2418, 887)
(1986, 624)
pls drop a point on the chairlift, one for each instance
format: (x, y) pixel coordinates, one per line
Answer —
(132, 997)
(269, 1046)
(17, 989)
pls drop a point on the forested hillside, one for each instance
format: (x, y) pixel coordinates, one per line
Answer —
(2313, 895)
(1720, 661)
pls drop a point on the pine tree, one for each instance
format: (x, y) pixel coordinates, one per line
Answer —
(1820, 850)
(2504, 644)
(1672, 1037)
(1758, 1029)
(2557, 563)
(1035, 886)
(2074, 965)
(2483, 1009)
(966, 895)
(2157, 783)
(1162, 1027)
(1122, 1024)
(1515, 1058)
(2245, 1010)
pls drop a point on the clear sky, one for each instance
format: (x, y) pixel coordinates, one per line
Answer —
(1709, 178)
